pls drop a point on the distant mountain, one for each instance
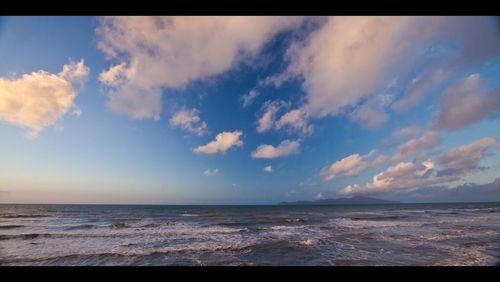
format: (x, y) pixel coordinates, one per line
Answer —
(357, 200)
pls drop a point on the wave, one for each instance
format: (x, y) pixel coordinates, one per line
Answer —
(365, 223)
(82, 227)
(295, 220)
(189, 214)
(138, 230)
(25, 236)
(22, 215)
(380, 218)
(72, 259)
(10, 226)
(119, 225)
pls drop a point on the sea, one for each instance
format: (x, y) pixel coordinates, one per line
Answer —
(456, 234)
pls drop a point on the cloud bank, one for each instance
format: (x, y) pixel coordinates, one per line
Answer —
(444, 168)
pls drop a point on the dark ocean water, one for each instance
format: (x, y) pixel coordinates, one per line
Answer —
(406, 234)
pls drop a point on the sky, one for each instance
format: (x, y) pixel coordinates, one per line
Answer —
(248, 110)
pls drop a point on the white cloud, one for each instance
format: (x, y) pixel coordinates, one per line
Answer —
(450, 166)
(404, 175)
(285, 148)
(429, 140)
(40, 99)
(297, 121)
(76, 72)
(223, 142)
(189, 120)
(268, 119)
(157, 52)
(353, 165)
(318, 196)
(212, 172)
(294, 121)
(350, 59)
(247, 99)
(115, 75)
(268, 169)
(349, 166)
(466, 102)
(466, 158)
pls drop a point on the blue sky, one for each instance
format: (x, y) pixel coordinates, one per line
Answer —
(152, 110)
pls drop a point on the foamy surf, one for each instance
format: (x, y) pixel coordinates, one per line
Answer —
(452, 234)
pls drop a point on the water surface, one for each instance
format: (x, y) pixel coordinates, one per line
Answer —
(402, 234)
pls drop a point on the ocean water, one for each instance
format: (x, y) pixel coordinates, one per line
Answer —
(403, 234)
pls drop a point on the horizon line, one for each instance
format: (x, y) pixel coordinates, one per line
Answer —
(275, 204)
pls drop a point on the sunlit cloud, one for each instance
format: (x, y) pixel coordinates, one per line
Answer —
(447, 167)
(353, 165)
(223, 142)
(40, 99)
(276, 116)
(190, 121)
(429, 140)
(349, 60)
(285, 148)
(152, 53)
(270, 109)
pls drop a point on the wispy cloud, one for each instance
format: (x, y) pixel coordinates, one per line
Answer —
(210, 172)
(297, 121)
(293, 121)
(429, 140)
(409, 131)
(190, 121)
(248, 98)
(269, 111)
